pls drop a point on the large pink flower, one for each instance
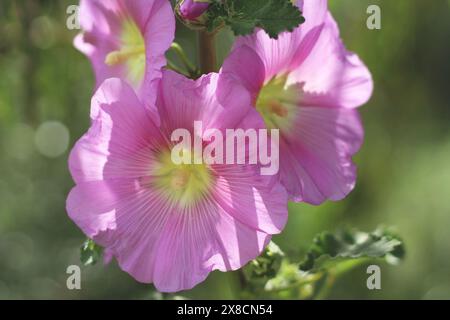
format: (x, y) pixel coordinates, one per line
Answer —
(307, 85)
(166, 224)
(127, 40)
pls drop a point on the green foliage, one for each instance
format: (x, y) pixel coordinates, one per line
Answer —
(274, 16)
(332, 255)
(268, 264)
(90, 253)
(352, 245)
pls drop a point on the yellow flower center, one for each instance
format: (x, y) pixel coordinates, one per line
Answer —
(131, 53)
(182, 183)
(278, 103)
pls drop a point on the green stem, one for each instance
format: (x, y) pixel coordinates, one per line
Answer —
(346, 266)
(324, 291)
(207, 52)
(298, 284)
(335, 273)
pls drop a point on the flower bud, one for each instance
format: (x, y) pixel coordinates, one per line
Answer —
(192, 9)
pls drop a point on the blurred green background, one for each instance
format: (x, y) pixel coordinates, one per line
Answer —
(404, 166)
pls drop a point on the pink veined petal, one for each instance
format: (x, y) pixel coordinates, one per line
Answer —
(111, 210)
(201, 241)
(178, 100)
(247, 215)
(244, 67)
(276, 55)
(143, 11)
(189, 238)
(307, 34)
(91, 206)
(159, 34)
(332, 76)
(259, 204)
(316, 160)
(99, 17)
(223, 106)
(280, 55)
(124, 216)
(121, 131)
(315, 13)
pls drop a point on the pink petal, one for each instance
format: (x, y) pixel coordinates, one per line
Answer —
(99, 17)
(159, 34)
(331, 75)
(183, 101)
(122, 130)
(252, 199)
(201, 242)
(281, 55)
(125, 217)
(244, 67)
(316, 160)
(276, 55)
(315, 13)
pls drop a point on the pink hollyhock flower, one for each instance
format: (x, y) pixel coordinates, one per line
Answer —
(127, 40)
(169, 224)
(192, 9)
(307, 85)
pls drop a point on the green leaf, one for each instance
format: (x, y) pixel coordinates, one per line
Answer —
(267, 264)
(90, 253)
(216, 15)
(346, 245)
(274, 16)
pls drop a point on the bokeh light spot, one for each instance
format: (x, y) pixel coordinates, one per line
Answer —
(52, 139)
